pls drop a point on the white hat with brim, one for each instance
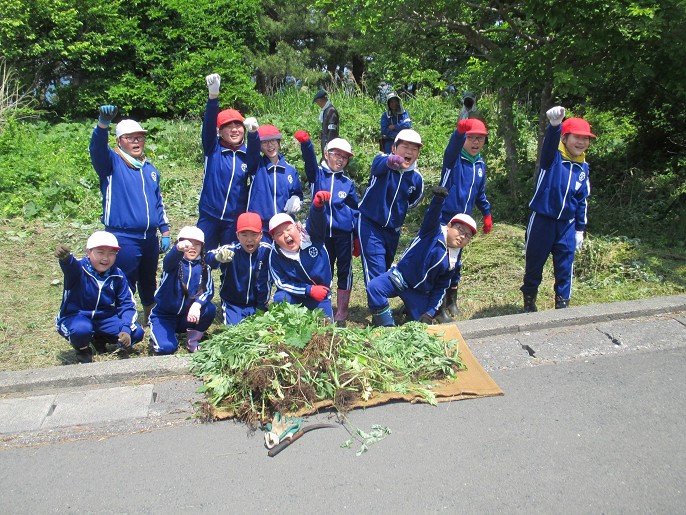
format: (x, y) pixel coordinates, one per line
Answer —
(409, 135)
(339, 144)
(279, 219)
(102, 239)
(128, 127)
(192, 233)
(466, 220)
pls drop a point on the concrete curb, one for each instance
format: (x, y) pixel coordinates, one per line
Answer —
(169, 366)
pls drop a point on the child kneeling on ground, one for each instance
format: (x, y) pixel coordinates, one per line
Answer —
(423, 273)
(97, 303)
(244, 270)
(299, 262)
(184, 298)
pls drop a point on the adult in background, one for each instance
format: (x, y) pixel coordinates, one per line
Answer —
(132, 207)
(469, 109)
(328, 117)
(395, 119)
(558, 208)
(224, 194)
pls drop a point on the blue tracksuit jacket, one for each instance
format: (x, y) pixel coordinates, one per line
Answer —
(465, 182)
(131, 197)
(272, 185)
(294, 279)
(224, 193)
(245, 280)
(342, 210)
(390, 194)
(169, 297)
(96, 296)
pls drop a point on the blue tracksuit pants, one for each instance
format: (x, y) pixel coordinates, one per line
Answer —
(378, 246)
(381, 288)
(233, 313)
(138, 260)
(545, 236)
(80, 330)
(164, 328)
(217, 232)
(340, 248)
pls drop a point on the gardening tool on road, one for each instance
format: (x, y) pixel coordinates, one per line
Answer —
(273, 451)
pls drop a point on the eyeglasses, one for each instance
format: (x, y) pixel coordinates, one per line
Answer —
(271, 143)
(134, 139)
(338, 155)
(465, 233)
(477, 139)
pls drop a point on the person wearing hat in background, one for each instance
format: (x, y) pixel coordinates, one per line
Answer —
(469, 109)
(464, 176)
(225, 184)
(558, 207)
(299, 263)
(424, 270)
(97, 303)
(328, 117)
(275, 184)
(244, 269)
(132, 206)
(394, 120)
(184, 298)
(395, 185)
(341, 211)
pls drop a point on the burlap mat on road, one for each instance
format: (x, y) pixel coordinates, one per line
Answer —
(471, 383)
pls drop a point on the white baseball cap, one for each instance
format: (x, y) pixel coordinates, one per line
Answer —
(102, 239)
(191, 232)
(465, 219)
(409, 135)
(128, 127)
(339, 144)
(279, 219)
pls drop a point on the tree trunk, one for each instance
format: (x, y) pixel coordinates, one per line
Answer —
(508, 130)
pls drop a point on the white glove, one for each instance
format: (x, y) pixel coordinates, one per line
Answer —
(184, 246)
(213, 82)
(251, 124)
(224, 254)
(579, 239)
(555, 115)
(293, 205)
(194, 313)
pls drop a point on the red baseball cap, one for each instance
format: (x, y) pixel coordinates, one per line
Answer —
(577, 126)
(228, 115)
(477, 127)
(268, 132)
(249, 222)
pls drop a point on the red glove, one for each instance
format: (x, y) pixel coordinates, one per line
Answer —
(464, 125)
(302, 136)
(321, 198)
(488, 224)
(318, 292)
(356, 248)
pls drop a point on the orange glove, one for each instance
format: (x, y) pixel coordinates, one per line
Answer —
(318, 292)
(321, 198)
(488, 224)
(302, 136)
(356, 248)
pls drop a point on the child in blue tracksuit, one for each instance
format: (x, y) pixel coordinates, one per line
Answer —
(464, 175)
(275, 185)
(558, 207)
(299, 262)
(244, 266)
(341, 211)
(394, 120)
(184, 298)
(395, 186)
(225, 184)
(132, 207)
(423, 273)
(97, 303)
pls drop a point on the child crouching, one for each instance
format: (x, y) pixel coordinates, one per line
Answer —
(299, 262)
(184, 298)
(423, 273)
(97, 303)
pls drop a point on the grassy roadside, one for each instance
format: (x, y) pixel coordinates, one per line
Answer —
(608, 270)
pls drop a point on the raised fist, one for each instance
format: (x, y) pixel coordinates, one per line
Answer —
(321, 198)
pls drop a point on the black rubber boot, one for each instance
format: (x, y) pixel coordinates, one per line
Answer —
(530, 303)
(450, 303)
(84, 355)
(100, 344)
(442, 316)
(561, 303)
